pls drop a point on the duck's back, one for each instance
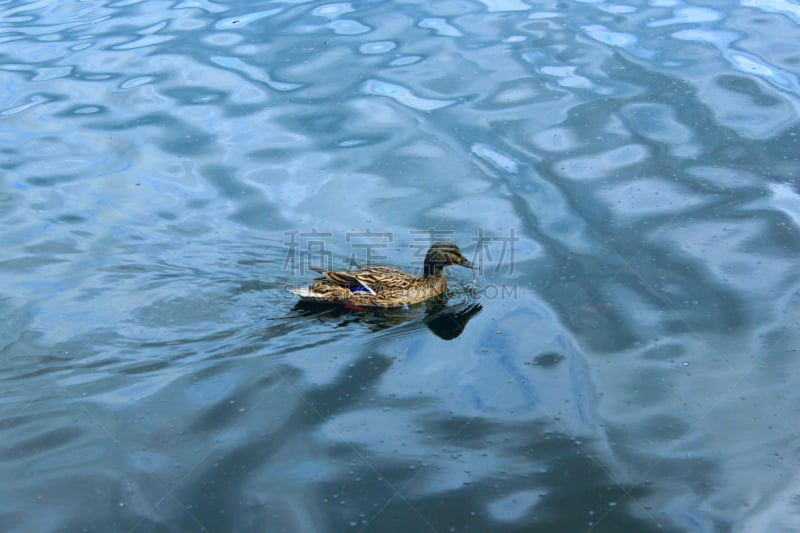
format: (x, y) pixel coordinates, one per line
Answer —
(375, 286)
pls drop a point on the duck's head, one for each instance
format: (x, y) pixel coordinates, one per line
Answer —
(442, 254)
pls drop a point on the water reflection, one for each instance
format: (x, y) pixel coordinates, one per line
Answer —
(643, 377)
(449, 322)
(446, 322)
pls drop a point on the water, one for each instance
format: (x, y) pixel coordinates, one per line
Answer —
(626, 173)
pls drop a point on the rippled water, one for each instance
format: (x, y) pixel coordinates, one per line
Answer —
(626, 360)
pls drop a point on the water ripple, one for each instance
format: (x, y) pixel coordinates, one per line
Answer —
(403, 96)
(604, 164)
(624, 176)
(236, 22)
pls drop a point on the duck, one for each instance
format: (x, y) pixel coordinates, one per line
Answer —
(385, 287)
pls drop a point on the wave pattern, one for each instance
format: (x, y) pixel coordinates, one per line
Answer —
(625, 173)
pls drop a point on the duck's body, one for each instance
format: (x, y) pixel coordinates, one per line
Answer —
(382, 286)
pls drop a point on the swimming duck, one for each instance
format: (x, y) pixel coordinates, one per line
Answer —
(381, 286)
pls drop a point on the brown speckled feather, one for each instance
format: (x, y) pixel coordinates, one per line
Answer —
(381, 286)
(373, 278)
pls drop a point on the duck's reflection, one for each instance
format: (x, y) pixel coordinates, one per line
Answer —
(445, 321)
(449, 322)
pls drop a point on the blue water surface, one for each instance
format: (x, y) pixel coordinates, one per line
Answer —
(624, 173)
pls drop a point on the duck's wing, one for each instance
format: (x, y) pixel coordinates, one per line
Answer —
(370, 279)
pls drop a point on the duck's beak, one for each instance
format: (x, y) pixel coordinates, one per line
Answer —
(467, 264)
